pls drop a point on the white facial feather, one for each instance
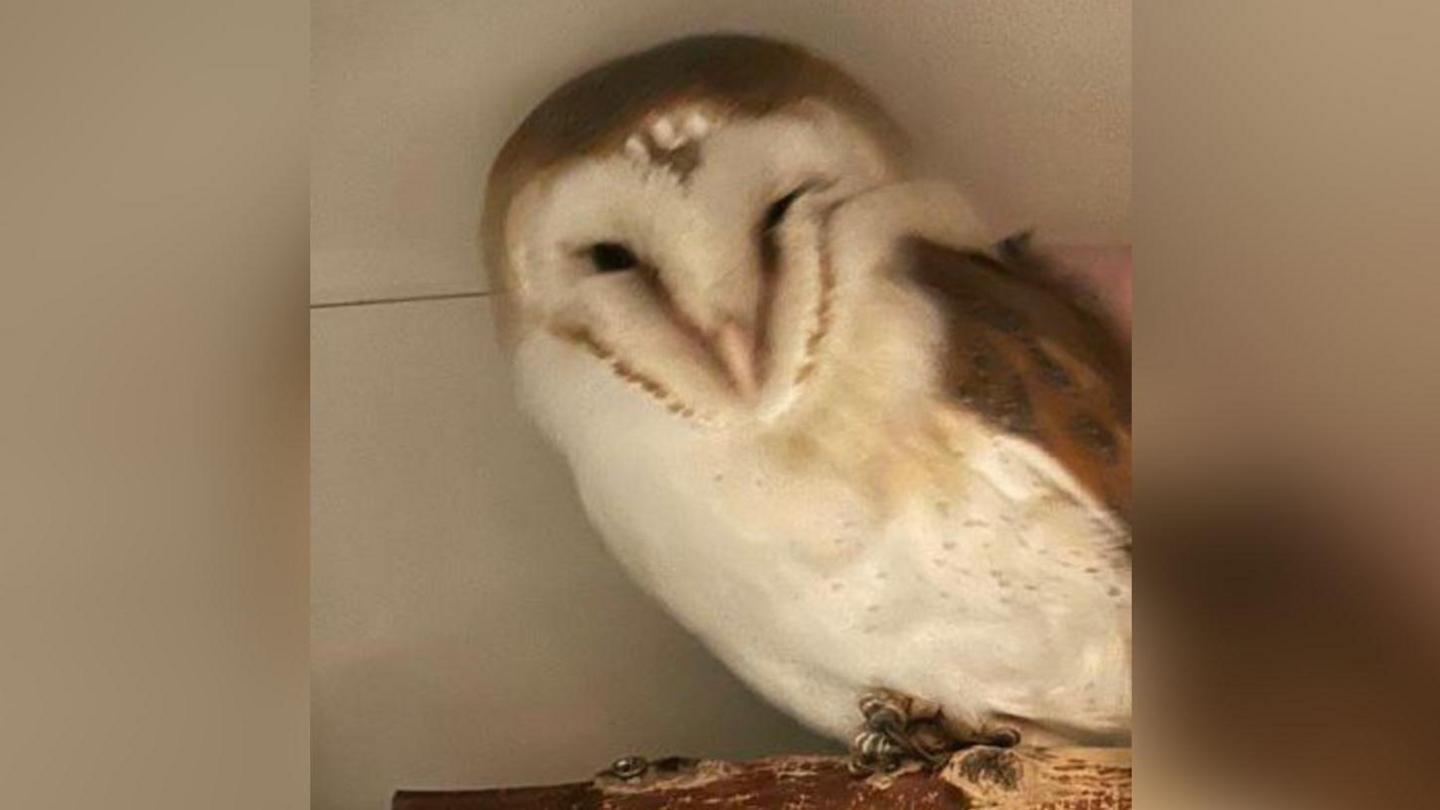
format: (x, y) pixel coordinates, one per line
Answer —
(701, 238)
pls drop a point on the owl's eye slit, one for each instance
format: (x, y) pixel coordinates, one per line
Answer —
(775, 214)
(612, 257)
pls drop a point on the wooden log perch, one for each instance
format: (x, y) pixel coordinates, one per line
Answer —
(994, 778)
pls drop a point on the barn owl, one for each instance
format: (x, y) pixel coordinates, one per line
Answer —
(877, 460)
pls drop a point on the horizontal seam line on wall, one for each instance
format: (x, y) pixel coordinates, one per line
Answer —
(364, 302)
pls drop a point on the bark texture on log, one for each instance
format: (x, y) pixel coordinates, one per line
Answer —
(992, 778)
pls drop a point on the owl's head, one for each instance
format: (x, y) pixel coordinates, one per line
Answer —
(664, 217)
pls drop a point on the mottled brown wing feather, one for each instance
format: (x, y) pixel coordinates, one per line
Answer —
(1031, 354)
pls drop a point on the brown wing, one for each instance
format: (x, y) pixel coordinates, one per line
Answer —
(1032, 355)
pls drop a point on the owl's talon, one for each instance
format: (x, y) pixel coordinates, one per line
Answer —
(884, 711)
(899, 728)
(874, 752)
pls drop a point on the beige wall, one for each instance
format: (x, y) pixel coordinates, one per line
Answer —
(467, 628)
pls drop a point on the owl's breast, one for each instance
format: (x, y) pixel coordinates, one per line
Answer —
(877, 538)
(997, 589)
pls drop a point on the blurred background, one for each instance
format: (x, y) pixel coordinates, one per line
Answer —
(153, 388)
(1287, 192)
(468, 628)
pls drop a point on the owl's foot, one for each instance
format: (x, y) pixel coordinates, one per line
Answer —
(900, 729)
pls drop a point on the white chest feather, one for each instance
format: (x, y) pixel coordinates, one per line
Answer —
(999, 588)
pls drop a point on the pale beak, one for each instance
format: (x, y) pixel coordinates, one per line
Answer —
(735, 347)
